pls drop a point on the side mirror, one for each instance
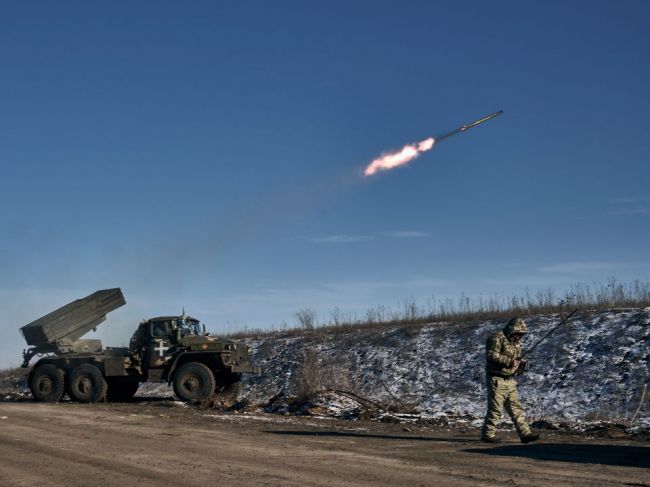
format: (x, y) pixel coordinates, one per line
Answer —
(204, 329)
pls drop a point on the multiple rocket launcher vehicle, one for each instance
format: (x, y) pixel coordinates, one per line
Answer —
(172, 349)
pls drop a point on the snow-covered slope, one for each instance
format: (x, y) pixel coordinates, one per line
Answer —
(593, 368)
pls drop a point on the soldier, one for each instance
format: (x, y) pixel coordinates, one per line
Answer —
(503, 353)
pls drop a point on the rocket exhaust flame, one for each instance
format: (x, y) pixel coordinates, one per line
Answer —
(412, 151)
(395, 159)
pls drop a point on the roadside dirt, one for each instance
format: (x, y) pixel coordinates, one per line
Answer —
(161, 443)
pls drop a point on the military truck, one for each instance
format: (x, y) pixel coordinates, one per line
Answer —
(172, 349)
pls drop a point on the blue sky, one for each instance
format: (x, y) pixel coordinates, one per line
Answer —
(208, 155)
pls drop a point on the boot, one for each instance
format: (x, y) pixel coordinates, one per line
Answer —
(530, 437)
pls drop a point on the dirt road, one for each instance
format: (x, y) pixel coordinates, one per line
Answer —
(147, 444)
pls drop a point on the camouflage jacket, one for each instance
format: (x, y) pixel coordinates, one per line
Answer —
(500, 354)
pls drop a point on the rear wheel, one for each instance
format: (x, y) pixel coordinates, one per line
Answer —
(121, 390)
(47, 383)
(86, 384)
(194, 382)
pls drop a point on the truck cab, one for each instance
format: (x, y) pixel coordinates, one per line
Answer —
(157, 340)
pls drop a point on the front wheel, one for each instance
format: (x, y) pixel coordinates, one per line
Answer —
(47, 383)
(87, 384)
(194, 382)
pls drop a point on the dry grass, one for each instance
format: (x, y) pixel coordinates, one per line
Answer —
(11, 380)
(410, 314)
(320, 373)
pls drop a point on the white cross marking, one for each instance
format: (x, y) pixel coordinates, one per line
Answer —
(161, 348)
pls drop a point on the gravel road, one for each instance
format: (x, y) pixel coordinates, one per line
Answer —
(163, 443)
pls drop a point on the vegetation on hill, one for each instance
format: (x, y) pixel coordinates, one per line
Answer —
(581, 296)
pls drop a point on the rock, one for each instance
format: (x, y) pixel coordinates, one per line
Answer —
(316, 411)
(608, 430)
(542, 424)
(389, 419)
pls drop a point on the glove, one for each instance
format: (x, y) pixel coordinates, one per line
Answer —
(523, 367)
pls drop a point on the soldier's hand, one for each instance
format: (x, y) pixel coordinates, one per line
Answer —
(522, 368)
(516, 363)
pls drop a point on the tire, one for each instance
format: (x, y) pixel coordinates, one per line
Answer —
(194, 382)
(86, 384)
(47, 383)
(121, 390)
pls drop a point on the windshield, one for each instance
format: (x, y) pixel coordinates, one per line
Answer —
(190, 327)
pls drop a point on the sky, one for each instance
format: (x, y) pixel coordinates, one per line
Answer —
(209, 155)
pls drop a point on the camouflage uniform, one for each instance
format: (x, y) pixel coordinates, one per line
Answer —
(501, 353)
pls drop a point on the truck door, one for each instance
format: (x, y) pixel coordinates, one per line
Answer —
(158, 349)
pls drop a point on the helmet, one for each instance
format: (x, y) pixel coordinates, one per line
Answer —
(515, 325)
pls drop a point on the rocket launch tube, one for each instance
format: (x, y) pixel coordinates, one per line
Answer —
(469, 125)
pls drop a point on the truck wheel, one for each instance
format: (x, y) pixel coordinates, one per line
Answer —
(47, 383)
(86, 384)
(194, 382)
(120, 390)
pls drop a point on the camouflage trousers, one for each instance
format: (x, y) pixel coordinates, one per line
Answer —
(503, 392)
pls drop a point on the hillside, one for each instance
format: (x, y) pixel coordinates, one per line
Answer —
(593, 368)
